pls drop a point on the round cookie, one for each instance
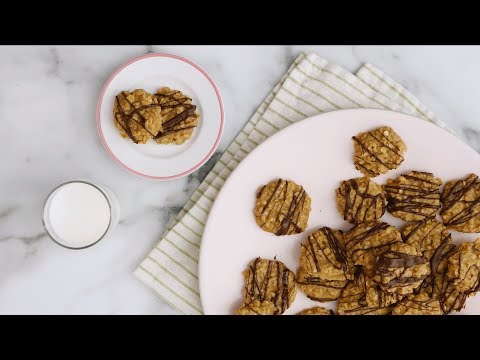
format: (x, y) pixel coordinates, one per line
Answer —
(378, 151)
(137, 115)
(317, 310)
(360, 200)
(420, 304)
(461, 204)
(268, 281)
(401, 269)
(427, 236)
(282, 207)
(323, 271)
(364, 242)
(323, 254)
(413, 196)
(179, 117)
(362, 296)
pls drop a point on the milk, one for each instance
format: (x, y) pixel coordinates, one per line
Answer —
(77, 214)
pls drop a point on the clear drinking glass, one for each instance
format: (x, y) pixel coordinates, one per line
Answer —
(78, 214)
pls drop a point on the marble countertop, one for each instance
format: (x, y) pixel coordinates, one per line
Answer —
(48, 99)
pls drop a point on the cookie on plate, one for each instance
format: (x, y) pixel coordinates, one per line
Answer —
(420, 304)
(413, 196)
(323, 271)
(282, 207)
(179, 116)
(461, 204)
(362, 296)
(463, 276)
(360, 200)
(378, 151)
(269, 288)
(427, 236)
(317, 310)
(137, 115)
(401, 269)
(364, 242)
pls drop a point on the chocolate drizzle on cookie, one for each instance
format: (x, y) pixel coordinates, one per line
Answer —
(354, 243)
(456, 194)
(387, 159)
(289, 223)
(277, 273)
(340, 261)
(415, 193)
(177, 122)
(128, 118)
(366, 203)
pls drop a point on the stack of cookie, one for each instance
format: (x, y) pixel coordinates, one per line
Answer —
(168, 116)
(373, 268)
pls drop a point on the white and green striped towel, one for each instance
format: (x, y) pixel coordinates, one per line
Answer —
(311, 86)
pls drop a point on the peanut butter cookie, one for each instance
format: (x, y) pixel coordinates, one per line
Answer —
(360, 200)
(378, 151)
(179, 116)
(137, 115)
(461, 204)
(413, 196)
(282, 207)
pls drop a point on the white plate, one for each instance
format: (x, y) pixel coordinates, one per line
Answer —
(152, 160)
(316, 153)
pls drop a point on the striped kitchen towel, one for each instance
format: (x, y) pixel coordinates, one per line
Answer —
(311, 86)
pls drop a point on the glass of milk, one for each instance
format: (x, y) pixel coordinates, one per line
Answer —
(78, 214)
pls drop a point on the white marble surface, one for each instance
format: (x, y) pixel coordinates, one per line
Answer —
(48, 99)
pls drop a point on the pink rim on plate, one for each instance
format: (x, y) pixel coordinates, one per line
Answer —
(220, 130)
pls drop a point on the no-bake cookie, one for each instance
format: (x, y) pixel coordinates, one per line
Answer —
(360, 200)
(269, 288)
(137, 115)
(461, 204)
(179, 116)
(413, 196)
(282, 207)
(378, 151)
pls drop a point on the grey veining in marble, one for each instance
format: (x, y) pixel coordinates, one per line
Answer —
(48, 99)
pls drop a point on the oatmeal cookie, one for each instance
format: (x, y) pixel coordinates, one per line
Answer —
(462, 276)
(137, 115)
(323, 254)
(360, 200)
(268, 282)
(420, 304)
(179, 116)
(317, 288)
(364, 242)
(461, 204)
(362, 296)
(427, 236)
(317, 310)
(378, 151)
(401, 269)
(413, 196)
(282, 207)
